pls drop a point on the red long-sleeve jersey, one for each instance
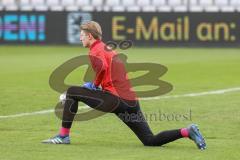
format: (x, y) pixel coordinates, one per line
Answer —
(110, 71)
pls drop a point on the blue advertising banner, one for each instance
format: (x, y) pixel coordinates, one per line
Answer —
(23, 27)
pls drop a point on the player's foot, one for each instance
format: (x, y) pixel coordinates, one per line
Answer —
(58, 140)
(196, 136)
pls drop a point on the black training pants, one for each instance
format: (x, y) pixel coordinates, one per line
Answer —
(128, 111)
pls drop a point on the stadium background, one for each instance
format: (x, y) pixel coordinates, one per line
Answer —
(197, 40)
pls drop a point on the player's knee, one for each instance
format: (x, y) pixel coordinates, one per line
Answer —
(147, 143)
(150, 141)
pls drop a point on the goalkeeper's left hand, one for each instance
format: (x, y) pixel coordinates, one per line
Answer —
(90, 86)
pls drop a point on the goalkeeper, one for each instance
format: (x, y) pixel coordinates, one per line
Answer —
(115, 96)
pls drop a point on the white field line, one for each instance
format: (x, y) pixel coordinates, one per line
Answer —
(214, 92)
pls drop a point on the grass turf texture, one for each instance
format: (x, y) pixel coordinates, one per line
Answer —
(24, 88)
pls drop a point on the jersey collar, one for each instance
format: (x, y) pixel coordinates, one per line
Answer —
(94, 44)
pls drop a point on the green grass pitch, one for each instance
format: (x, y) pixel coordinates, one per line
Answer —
(24, 88)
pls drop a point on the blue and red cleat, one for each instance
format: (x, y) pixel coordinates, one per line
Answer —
(196, 136)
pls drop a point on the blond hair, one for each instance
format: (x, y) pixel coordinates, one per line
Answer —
(93, 28)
